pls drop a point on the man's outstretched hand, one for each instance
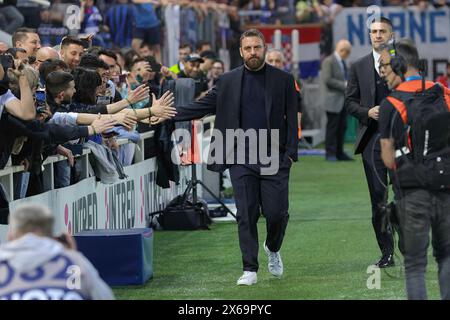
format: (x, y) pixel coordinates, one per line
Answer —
(163, 107)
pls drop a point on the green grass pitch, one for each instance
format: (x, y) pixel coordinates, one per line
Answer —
(328, 246)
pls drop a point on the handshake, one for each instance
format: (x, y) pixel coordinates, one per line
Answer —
(160, 110)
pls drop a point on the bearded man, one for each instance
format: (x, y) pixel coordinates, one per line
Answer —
(253, 102)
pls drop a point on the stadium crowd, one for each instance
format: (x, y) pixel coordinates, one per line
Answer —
(111, 74)
(63, 88)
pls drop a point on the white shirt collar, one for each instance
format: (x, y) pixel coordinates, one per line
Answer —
(338, 57)
(376, 61)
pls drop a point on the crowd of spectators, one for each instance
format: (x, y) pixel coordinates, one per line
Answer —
(111, 64)
(75, 95)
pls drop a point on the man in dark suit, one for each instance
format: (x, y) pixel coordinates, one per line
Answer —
(365, 91)
(254, 98)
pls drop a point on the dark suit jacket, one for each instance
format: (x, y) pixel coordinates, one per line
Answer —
(224, 100)
(360, 97)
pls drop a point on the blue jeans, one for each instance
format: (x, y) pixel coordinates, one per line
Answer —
(420, 211)
(62, 174)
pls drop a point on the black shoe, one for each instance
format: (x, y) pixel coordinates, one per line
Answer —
(386, 262)
(345, 157)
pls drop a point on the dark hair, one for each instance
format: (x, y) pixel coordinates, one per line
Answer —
(66, 41)
(21, 34)
(408, 51)
(86, 83)
(220, 61)
(144, 44)
(51, 65)
(108, 53)
(252, 33)
(208, 54)
(129, 59)
(403, 54)
(381, 20)
(185, 45)
(94, 50)
(92, 62)
(56, 82)
(138, 60)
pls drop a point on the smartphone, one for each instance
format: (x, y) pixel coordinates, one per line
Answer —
(123, 78)
(156, 67)
(104, 100)
(41, 98)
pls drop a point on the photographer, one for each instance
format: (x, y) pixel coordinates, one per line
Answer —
(19, 54)
(27, 39)
(23, 108)
(414, 127)
(32, 249)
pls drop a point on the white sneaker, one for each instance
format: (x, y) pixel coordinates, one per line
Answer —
(247, 279)
(275, 264)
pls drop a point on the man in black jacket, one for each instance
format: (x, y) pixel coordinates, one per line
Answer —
(365, 91)
(254, 98)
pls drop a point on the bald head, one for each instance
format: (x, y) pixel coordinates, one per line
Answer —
(45, 53)
(275, 58)
(343, 48)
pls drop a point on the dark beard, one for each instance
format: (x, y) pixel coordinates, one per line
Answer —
(254, 63)
(66, 100)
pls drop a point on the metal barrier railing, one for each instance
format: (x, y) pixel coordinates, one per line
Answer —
(9, 174)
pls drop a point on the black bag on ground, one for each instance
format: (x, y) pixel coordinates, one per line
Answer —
(181, 214)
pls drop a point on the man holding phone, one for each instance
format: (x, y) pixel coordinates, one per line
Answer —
(24, 108)
(192, 70)
(40, 101)
(110, 59)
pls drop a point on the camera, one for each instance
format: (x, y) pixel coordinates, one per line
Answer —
(156, 67)
(6, 62)
(41, 105)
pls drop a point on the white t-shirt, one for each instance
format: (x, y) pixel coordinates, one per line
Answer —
(64, 118)
(4, 99)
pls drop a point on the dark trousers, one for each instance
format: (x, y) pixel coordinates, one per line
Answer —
(254, 193)
(420, 211)
(376, 176)
(334, 138)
